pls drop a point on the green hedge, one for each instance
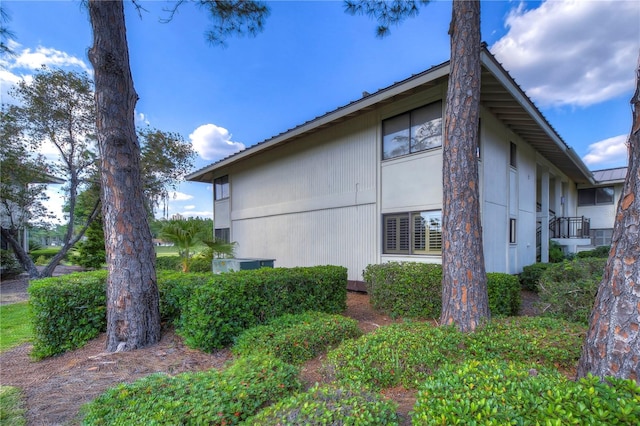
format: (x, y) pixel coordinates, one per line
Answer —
(329, 405)
(600, 252)
(405, 289)
(212, 397)
(68, 311)
(168, 263)
(531, 275)
(504, 294)
(497, 393)
(218, 312)
(44, 254)
(414, 290)
(296, 338)
(568, 290)
(208, 310)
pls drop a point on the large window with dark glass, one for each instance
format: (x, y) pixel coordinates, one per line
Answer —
(223, 234)
(595, 196)
(221, 187)
(414, 131)
(413, 233)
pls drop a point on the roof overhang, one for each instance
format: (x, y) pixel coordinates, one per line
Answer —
(499, 94)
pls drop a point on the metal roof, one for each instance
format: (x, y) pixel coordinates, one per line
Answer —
(616, 175)
(500, 94)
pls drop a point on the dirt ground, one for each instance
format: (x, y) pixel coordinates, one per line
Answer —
(56, 388)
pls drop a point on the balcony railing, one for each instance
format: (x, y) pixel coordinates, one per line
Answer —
(570, 227)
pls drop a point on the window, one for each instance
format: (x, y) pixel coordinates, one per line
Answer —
(221, 188)
(411, 132)
(601, 237)
(223, 234)
(595, 196)
(513, 155)
(413, 233)
(512, 231)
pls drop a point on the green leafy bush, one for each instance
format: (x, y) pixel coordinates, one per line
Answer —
(175, 288)
(497, 393)
(216, 312)
(568, 289)
(329, 405)
(169, 263)
(9, 265)
(213, 397)
(68, 311)
(46, 254)
(406, 354)
(414, 290)
(504, 294)
(601, 252)
(200, 264)
(405, 289)
(531, 274)
(296, 338)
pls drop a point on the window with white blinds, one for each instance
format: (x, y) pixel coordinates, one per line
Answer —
(413, 233)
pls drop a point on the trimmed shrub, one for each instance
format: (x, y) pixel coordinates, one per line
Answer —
(497, 393)
(600, 252)
(44, 255)
(175, 288)
(405, 289)
(216, 312)
(329, 405)
(168, 263)
(414, 290)
(212, 397)
(568, 289)
(297, 338)
(531, 274)
(68, 311)
(504, 294)
(9, 265)
(200, 264)
(406, 354)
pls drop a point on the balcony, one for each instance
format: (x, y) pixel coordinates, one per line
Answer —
(570, 231)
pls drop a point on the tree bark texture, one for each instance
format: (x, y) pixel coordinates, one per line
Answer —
(464, 282)
(133, 316)
(612, 345)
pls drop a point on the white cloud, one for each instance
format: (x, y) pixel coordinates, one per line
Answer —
(141, 119)
(214, 143)
(611, 152)
(572, 52)
(14, 69)
(35, 59)
(189, 207)
(179, 196)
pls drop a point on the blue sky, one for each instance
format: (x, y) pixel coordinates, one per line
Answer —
(575, 59)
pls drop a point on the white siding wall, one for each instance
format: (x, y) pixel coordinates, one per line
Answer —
(311, 202)
(603, 216)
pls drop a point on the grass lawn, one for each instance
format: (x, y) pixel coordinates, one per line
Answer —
(15, 327)
(11, 406)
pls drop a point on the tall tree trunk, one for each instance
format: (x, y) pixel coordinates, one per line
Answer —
(133, 316)
(464, 281)
(612, 345)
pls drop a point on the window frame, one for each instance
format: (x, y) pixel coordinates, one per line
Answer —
(409, 240)
(593, 194)
(513, 155)
(411, 142)
(222, 234)
(513, 230)
(223, 183)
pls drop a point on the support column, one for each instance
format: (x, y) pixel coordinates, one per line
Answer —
(544, 216)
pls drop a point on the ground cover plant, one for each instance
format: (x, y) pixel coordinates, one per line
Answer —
(212, 397)
(14, 329)
(497, 393)
(406, 354)
(297, 338)
(329, 405)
